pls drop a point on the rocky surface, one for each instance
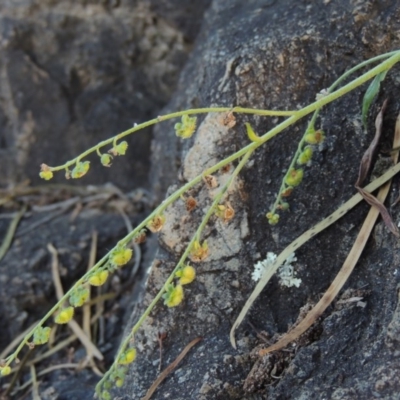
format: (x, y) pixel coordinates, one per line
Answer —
(73, 74)
(269, 54)
(276, 55)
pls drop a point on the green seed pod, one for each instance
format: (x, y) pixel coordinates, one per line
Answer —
(105, 395)
(79, 296)
(315, 137)
(106, 160)
(4, 371)
(284, 206)
(41, 335)
(305, 156)
(294, 177)
(80, 169)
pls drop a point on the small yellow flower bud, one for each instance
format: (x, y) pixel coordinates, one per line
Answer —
(174, 296)
(80, 169)
(98, 278)
(64, 316)
(199, 252)
(127, 357)
(120, 256)
(119, 149)
(294, 177)
(41, 335)
(4, 371)
(187, 275)
(45, 172)
(119, 382)
(186, 127)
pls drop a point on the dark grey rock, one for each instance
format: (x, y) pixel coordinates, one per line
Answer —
(276, 55)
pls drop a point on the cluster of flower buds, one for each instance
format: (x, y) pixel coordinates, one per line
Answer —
(186, 127)
(294, 176)
(174, 293)
(118, 374)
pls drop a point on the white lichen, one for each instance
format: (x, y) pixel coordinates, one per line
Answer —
(286, 273)
(262, 266)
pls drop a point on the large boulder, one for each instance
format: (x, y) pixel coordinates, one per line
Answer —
(275, 55)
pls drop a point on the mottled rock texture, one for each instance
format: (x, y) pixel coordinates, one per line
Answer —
(75, 73)
(277, 55)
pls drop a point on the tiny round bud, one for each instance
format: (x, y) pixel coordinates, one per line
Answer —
(120, 256)
(119, 382)
(127, 357)
(187, 275)
(45, 172)
(315, 137)
(4, 371)
(105, 160)
(305, 156)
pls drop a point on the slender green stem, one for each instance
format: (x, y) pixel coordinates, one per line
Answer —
(250, 147)
(361, 65)
(14, 355)
(315, 115)
(180, 263)
(293, 116)
(113, 140)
